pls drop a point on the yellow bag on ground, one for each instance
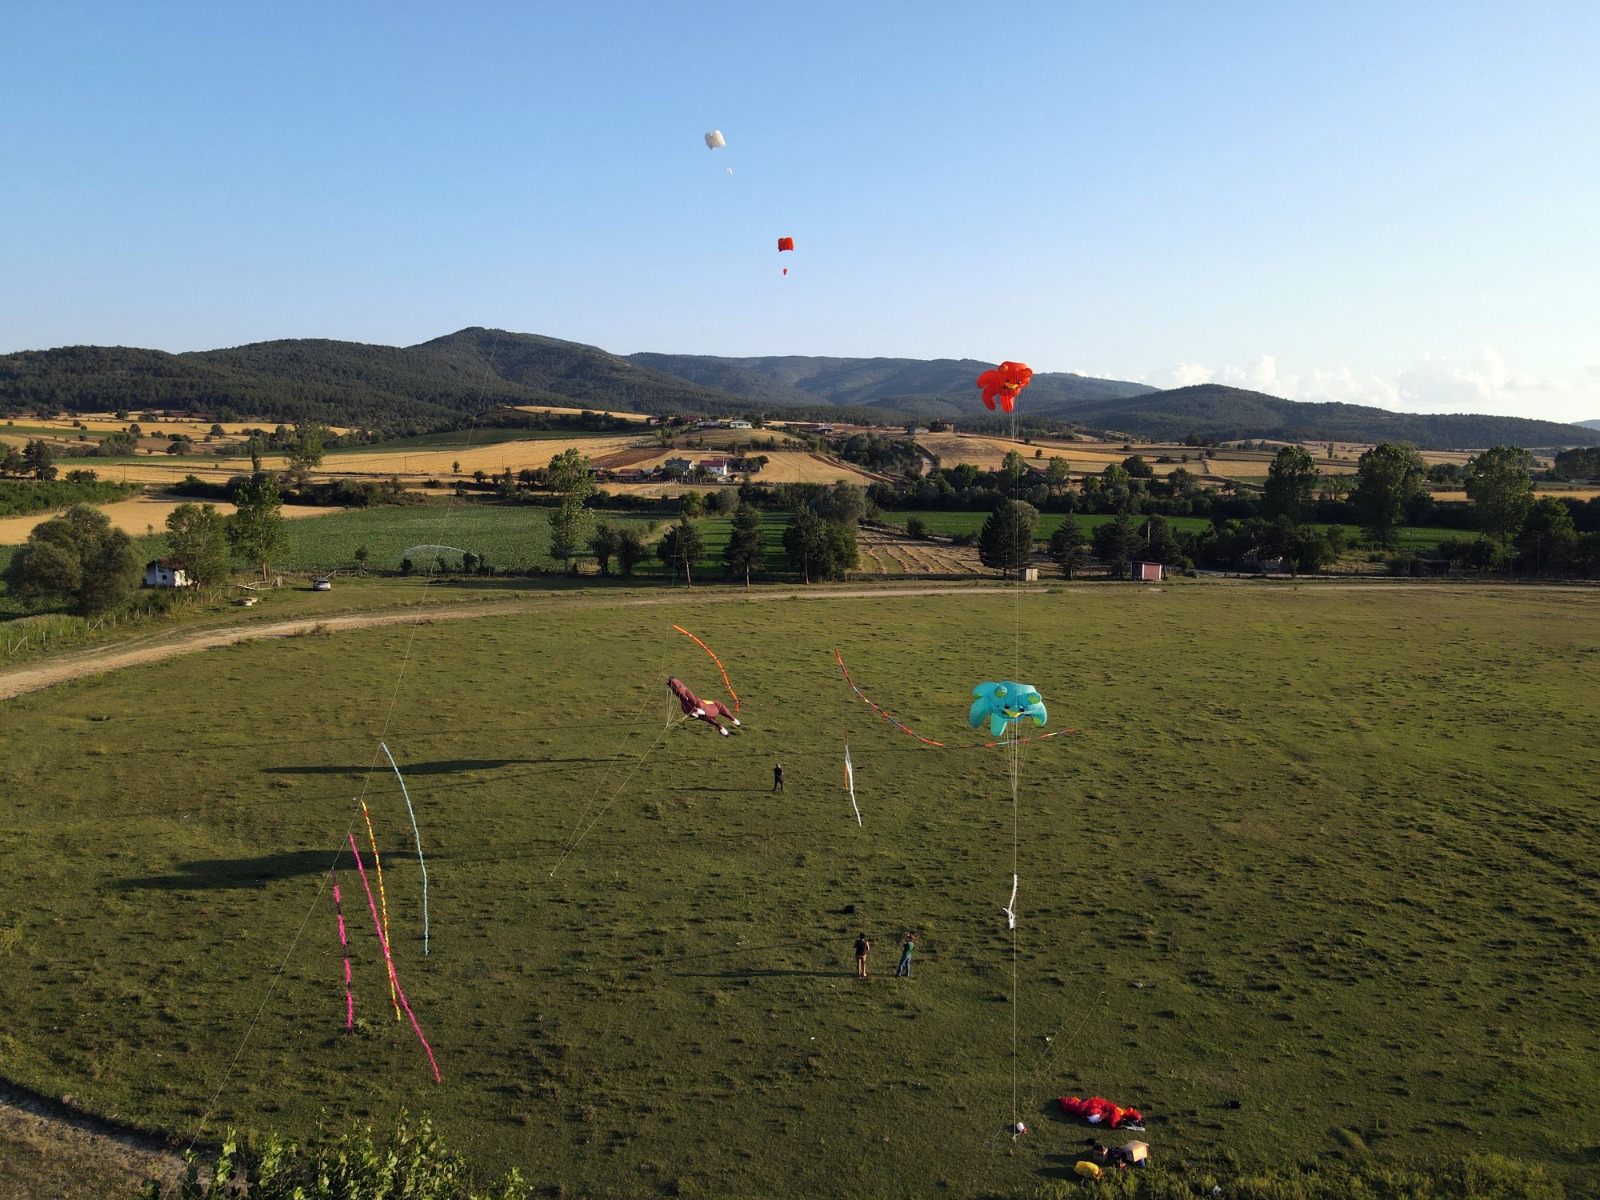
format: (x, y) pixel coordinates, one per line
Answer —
(1088, 1169)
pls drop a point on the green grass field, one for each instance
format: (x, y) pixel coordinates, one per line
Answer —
(1315, 880)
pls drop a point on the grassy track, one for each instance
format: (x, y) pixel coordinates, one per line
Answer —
(1328, 853)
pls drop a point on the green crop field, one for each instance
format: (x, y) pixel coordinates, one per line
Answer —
(1316, 880)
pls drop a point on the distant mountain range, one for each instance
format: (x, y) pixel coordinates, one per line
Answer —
(1590, 424)
(437, 384)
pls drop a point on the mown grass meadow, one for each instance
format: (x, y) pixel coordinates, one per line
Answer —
(1316, 880)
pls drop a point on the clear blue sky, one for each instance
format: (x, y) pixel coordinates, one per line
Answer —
(1396, 204)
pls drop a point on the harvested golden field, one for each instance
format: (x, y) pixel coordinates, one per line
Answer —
(138, 516)
(889, 554)
(573, 412)
(491, 457)
(783, 466)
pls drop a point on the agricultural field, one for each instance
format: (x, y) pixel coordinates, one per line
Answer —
(888, 554)
(1315, 880)
(138, 515)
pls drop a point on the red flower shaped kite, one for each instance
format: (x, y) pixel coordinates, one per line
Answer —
(1003, 383)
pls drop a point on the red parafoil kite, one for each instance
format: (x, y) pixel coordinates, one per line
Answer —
(702, 710)
(785, 243)
(1003, 383)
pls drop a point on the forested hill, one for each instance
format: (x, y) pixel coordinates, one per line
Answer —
(1215, 411)
(440, 383)
(939, 387)
(394, 390)
(1590, 424)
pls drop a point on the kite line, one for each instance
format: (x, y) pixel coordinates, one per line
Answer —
(714, 659)
(904, 728)
(416, 834)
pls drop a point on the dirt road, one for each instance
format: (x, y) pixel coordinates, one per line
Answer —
(156, 647)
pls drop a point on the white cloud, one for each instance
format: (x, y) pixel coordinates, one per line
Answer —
(1435, 384)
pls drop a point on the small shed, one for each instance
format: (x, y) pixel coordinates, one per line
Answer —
(162, 574)
(1144, 572)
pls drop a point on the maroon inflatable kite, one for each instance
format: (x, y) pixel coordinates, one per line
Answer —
(702, 710)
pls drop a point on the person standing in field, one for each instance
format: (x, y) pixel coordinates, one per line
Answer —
(905, 957)
(777, 777)
(862, 946)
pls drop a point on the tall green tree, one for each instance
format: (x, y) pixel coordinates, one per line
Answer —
(1005, 543)
(681, 548)
(197, 541)
(630, 552)
(1160, 543)
(255, 531)
(603, 545)
(570, 476)
(844, 501)
(77, 560)
(1548, 540)
(1057, 473)
(747, 546)
(1069, 546)
(1291, 483)
(40, 459)
(805, 539)
(1115, 544)
(1387, 476)
(839, 551)
(306, 448)
(1500, 490)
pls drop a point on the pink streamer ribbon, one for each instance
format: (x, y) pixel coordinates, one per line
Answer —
(344, 945)
(388, 958)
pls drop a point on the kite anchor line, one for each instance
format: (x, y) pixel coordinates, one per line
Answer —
(416, 834)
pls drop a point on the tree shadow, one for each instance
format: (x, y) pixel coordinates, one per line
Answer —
(204, 874)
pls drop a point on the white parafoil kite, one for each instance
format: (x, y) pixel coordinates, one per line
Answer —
(714, 140)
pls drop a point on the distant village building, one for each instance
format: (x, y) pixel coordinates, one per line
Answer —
(941, 426)
(162, 574)
(740, 425)
(1144, 572)
(681, 465)
(717, 468)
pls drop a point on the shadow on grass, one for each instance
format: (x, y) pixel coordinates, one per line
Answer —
(239, 872)
(763, 973)
(445, 766)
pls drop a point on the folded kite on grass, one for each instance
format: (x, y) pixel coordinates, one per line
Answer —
(1097, 1110)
